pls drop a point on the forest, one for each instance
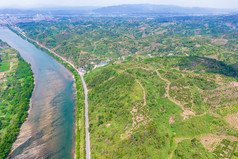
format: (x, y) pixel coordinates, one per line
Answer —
(16, 86)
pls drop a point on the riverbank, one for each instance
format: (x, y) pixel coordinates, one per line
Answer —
(78, 76)
(15, 99)
(14, 146)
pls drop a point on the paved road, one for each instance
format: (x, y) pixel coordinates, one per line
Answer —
(87, 136)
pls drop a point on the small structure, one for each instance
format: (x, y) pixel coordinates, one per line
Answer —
(103, 63)
(150, 55)
(82, 70)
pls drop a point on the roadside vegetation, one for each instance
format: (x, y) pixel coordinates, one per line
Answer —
(16, 86)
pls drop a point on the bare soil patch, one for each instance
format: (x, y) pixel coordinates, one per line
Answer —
(171, 120)
(187, 113)
(234, 83)
(232, 119)
(210, 141)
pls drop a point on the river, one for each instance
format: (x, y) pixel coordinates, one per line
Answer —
(49, 130)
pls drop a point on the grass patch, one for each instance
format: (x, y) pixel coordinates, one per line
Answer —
(228, 110)
(196, 125)
(191, 149)
(4, 66)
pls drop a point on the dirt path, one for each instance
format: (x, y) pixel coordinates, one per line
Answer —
(140, 114)
(3, 73)
(167, 81)
(11, 65)
(56, 47)
(144, 97)
(167, 90)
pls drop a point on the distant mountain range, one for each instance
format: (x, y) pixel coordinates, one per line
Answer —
(149, 9)
(50, 11)
(123, 10)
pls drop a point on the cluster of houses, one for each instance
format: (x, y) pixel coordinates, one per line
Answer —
(102, 63)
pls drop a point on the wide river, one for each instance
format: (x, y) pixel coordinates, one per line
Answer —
(49, 130)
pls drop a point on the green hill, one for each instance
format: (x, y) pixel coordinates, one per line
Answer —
(163, 107)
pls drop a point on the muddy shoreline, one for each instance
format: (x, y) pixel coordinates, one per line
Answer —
(14, 146)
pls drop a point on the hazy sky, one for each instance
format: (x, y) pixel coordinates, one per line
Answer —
(187, 3)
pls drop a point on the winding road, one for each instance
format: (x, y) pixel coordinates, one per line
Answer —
(87, 135)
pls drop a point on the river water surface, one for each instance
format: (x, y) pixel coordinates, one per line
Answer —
(49, 130)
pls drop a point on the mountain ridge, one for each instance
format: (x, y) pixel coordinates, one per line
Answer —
(124, 9)
(159, 9)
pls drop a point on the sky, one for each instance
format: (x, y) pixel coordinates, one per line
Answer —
(186, 3)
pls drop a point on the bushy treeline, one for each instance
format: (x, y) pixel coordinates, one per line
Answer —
(208, 65)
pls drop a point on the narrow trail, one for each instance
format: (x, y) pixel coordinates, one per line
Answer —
(167, 90)
(140, 114)
(167, 81)
(10, 69)
(87, 135)
(144, 97)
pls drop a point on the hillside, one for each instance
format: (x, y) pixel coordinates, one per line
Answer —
(173, 107)
(16, 86)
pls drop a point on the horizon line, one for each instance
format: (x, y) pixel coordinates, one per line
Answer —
(99, 6)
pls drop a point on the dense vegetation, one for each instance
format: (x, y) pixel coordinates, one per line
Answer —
(16, 86)
(161, 108)
(88, 40)
(191, 149)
